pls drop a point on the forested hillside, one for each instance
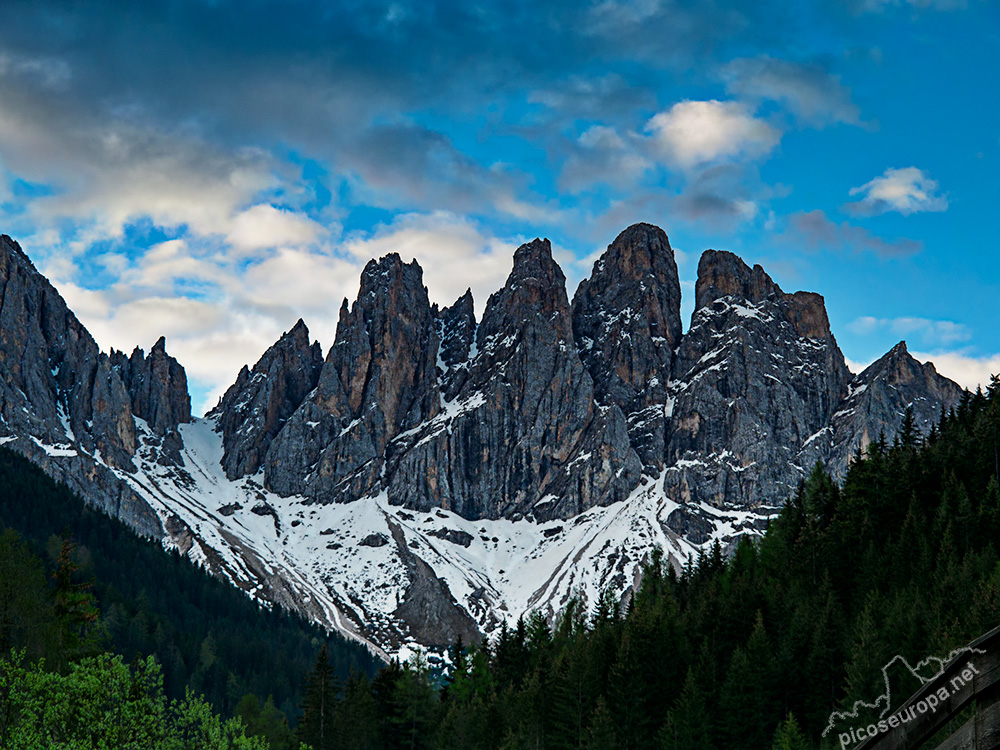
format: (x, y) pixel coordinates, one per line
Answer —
(207, 635)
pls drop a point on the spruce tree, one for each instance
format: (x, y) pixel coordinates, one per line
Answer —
(75, 609)
(789, 736)
(319, 705)
(688, 726)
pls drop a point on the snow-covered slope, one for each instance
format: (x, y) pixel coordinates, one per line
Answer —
(351, 565)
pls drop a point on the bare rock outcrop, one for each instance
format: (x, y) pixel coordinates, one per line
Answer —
(627, 324)
(258, 404)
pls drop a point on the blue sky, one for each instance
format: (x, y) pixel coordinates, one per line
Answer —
(212, 170)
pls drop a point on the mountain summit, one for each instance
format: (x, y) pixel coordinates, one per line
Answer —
(434, 475)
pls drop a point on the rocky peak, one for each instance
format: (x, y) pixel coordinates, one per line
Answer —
(877, 400)
(626, 322)
(57, 386)
(457, 332)
(458, 326)
(379, 379)
(536, 286)
(257, 406)
(757, 377)
(524, 434)
(723, 274)
(157, 387)
(382, 355)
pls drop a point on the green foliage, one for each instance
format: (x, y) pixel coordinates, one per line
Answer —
(27, 613)
(317, 727)
(265, 721)
(789, 736)
(101, 704)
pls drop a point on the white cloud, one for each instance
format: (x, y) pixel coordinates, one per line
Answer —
(264, 226)
(906, 190)
(931, 332)
(601, 155)
(698, 132)
(967, 370)
(220, 311)
(855, 366)
(453, 252)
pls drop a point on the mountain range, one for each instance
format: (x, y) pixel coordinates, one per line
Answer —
(433, 474)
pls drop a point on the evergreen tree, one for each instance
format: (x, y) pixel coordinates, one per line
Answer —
(688, 725)
(27, 616)
(359, 718)
(601, 732)
(265, 721)
(789, 736)
(76, 610)
(319, 705)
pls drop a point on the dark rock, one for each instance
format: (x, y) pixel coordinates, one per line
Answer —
(457, 332)
(427, 606)
(524, 433)
(157, 387)
(877, 401)
(455, 536)
(58, 389)
(55, 384)
(374, 540)
(757, 377)
(257, 406)
(379, 380)
(627, 323)
(230, 508)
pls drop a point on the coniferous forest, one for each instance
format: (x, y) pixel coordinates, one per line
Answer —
(750, 650)
(75, 583)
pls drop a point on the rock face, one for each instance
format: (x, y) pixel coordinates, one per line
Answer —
(55, 382)
(157, 387)
(756, 378)
(877, 401)
(379, 379)
(523, 435)
(488, 421)
(627, 324)
(258, 404)
(61, 401)
(457, 333)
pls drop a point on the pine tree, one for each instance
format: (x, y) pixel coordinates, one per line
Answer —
(688, 726)
(909, 435)
(359, 714)
(601, 733)
(319, 705)
(26, 613)
(789, 736)
(75, 609)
